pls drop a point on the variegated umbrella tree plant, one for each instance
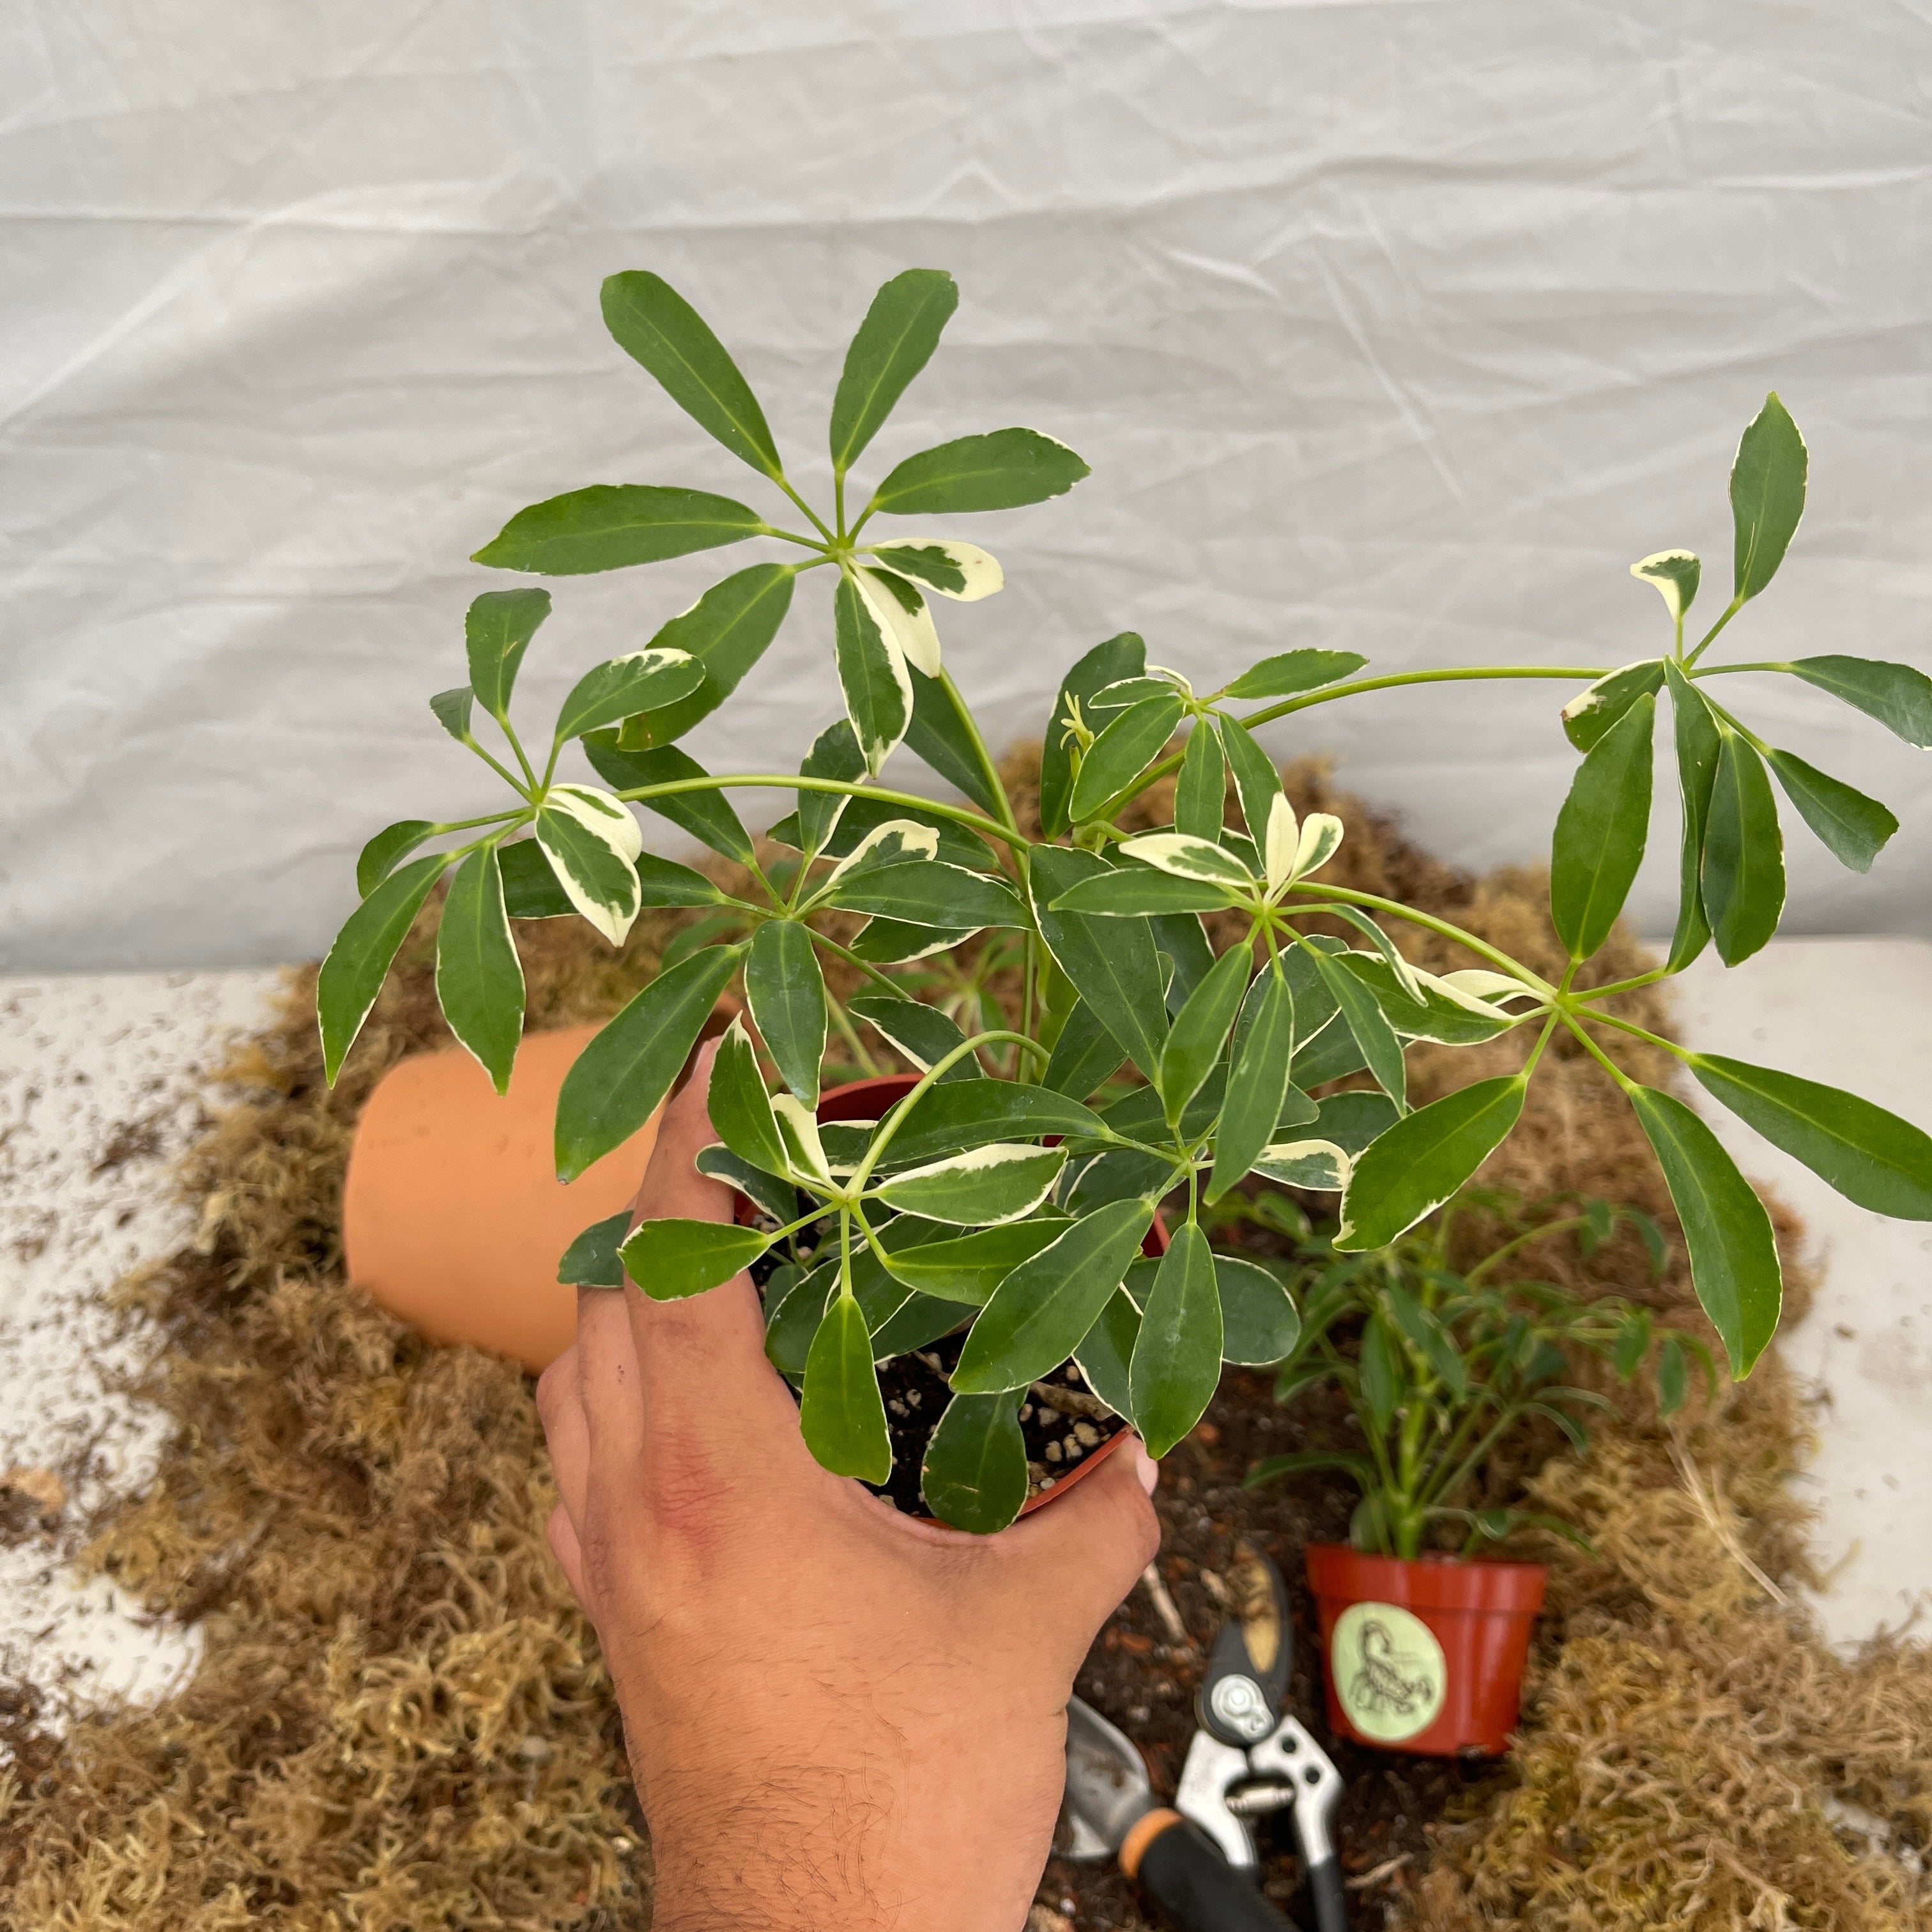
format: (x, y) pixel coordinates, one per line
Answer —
(994, 1198)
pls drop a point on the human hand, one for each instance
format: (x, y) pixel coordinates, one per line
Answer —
(837, 1716)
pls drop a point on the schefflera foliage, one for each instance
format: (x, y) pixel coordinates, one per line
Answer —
(1009, 1196)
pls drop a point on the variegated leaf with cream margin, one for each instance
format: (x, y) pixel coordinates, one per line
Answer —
(1188, 858)
(962, 572)
(891, 843)
(983, 1188)
(900, 610)
(592, 841)
(798, 1129)
(1675, 573)
(1320, 1166)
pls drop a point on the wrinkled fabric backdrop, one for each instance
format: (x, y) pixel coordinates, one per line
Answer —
(1399, 327)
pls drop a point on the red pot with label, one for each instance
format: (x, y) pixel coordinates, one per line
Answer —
(868, 1100)
(1424, 1654)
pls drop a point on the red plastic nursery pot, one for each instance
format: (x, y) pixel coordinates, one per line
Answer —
(1426, 1654)
(866, 1100)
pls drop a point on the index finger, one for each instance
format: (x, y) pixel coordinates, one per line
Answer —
(701, 1360)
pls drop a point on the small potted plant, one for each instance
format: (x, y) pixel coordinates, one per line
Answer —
(998, 1210)
(1444, 1371)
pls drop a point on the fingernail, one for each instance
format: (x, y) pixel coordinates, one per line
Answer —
(1146, 1468)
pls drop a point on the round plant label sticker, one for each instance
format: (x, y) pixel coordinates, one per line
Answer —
(1388, 1671)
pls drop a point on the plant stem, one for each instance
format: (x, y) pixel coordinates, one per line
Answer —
(982, 756)
(849, 1034)
(1533, 982)
(1598, 1054)
(1522, 1241)
(1631, 1027)
(865, 966)
(811, 516)
(1722, 670)
(1709, 637)
(974, 821)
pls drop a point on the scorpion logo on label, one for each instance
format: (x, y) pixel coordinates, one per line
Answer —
(1389, 1673)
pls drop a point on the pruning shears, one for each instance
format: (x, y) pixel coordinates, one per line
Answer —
(1250, 1756)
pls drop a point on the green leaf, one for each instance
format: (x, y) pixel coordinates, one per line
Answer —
(1201, 1030)
(842, 1414)
(1410, 1170)
(359, 962)
(654, 325)
(1085, 1056)
(1671, 1378)
(616, 1081)
(1767, 495)
(1256, 781)
(531, 890)
(941, 732)
(1317, 1165)
(1177, 1358)
(1632, 1343)
(1674, 574)
(1201, 792)
(968, 1268)
(388, 850)
(1381, 1050)
(787, 993)
(479, 980)
(1592, 713)
(670, 1259)
(919, 1320)
(1257, 1085)
(1000, 471)
(888, 941)
(1352, 1120)
(592, 1261)
(1142, 1117)
(1697, 753)
(706, 815)
(1438, 1015)
(873, 675)
(1133, 891)
(862, 815)
(611, 525)
(926, 892)
(1041, 1313)
(1899, 696)
(1601, 830)
(1106, 1351)
(727, 631)
(895, 342)
(1259, 1323)
(1181, 938)
(740, 1109)
(1853, 828)
(1733, 1253)
(1426, 1335)
(619, 688)
(922, 1034)
(1105, 664)
(1868, 1155)
(1113, 965)
(949, 1119)
(451, 710)
(1292, 671)
(1123, 750)
(592, 843)
(991, 1183)
(775, 1196)
(835, 755)
(1743, 852)
(1187, 858)
(792, 1313)
(975, 1476)
(1380, 1367)
(497, 630)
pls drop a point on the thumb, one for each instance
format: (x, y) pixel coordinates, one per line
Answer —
(1090, 1545)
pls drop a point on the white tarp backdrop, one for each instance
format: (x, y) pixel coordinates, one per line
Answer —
(1400, 327)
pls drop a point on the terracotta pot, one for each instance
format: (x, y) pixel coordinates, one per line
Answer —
(1424, 1655)
(866, 1100)
(452, 1217)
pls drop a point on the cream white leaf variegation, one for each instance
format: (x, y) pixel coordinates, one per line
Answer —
(1278, 843)
(1479, 983)
(1321, 835)
(1188, 858)
(1321, 1166)
(972, 1180)
(798, 1130)
(908, 625)
(593, 852)
(1591, 697)
(1675, 573)
(962, 572)
(898, 839)
(1169, 676)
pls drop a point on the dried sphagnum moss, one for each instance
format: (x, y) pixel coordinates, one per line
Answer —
(399, 1720)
